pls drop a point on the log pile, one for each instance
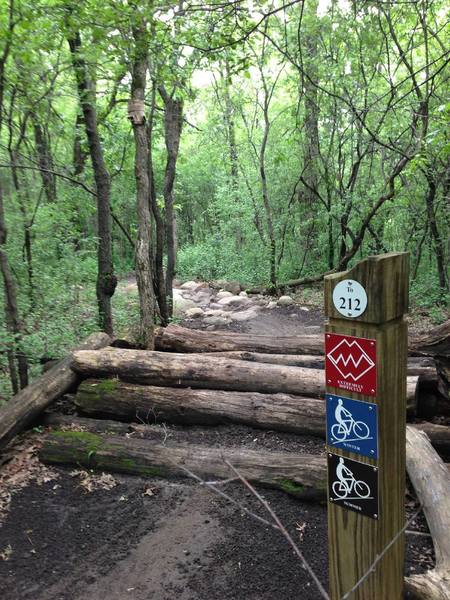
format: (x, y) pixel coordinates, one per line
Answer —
(197, 377)
(25, 406)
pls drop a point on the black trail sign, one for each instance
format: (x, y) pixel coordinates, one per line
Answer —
(353, 485)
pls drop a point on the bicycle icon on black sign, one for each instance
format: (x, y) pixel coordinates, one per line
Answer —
(347, 429)
(346, 484)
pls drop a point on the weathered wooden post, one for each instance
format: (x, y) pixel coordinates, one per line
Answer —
(366, 356)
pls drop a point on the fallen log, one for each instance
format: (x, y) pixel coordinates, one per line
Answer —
(128, 402)
(199, 371)
(301, 476)
(433, 343)
(187, 370)
(124, 401)
(431, 480)
(181, 339)
(424, 367)
(24, 407)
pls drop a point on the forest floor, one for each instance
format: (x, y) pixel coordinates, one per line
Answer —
(69, 534)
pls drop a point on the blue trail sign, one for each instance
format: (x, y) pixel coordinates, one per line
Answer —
(352, 425)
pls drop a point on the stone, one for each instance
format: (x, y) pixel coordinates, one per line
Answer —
(180, 304)
(223, 294)
(216, 321)
(194, 313)
(243, 294)
(272, 304)
(229, 286)
(244, 315)
(285, 301)
(233, 301)
(214, 313)
(304, 308)
(193, 286)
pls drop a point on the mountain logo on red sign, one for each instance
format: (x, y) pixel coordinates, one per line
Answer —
(350, 360)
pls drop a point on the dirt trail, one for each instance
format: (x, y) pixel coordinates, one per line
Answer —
(158, 540)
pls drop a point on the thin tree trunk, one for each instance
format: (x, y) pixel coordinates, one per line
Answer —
(45, 159)
(143, 243)
(14, 324)
(436, 236)
(106, 280)
(159, 279)
(233, 155)
(173, 122)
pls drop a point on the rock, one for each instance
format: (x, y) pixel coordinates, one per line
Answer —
(272, 304)
(243, 294)
(285, 301)
(193, 286)
(214, 313)
(223, 294)
(234, 301)
(304, 308)
(230, 286)
(203, 296)
(180, 304)
(194, 313)
(215, 306)
(216, 321)
(245, 315)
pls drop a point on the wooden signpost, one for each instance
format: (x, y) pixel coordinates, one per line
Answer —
(366, 356)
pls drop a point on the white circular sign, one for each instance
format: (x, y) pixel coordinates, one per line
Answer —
(350, 298)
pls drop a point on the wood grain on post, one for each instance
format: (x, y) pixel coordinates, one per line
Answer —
(356, 540)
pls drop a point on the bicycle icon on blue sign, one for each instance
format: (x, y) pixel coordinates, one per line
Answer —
(352, 424)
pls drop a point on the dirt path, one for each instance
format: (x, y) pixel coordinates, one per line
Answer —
(158, 540)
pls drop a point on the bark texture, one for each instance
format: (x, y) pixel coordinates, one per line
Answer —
(303, 476)
(144, 274)
(431, 480)
(124, 401)
(180, 339)
(208, 372)
(106, 280)
(25, 406)
(173, 124)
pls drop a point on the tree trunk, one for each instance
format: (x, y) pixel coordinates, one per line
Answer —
(431, 480)
(199, 371)
(45, 161)
(433, 343)
(180, 339)
(423, 367)
(25, 406)
(436, 236)
(106, 280)
(302, 476)
(123, 401)
(159, 277)
(173, 122)
(14, 325)
(144, 275)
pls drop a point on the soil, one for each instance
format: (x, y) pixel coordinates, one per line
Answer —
(160, 540)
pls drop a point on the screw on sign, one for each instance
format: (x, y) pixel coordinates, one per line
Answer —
(351, 363)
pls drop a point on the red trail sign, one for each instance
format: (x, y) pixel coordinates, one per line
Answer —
(351, 363)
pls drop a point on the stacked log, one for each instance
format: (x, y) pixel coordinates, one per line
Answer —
(307, 351)
(208, 372)
(24, 407)
(300, 475)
